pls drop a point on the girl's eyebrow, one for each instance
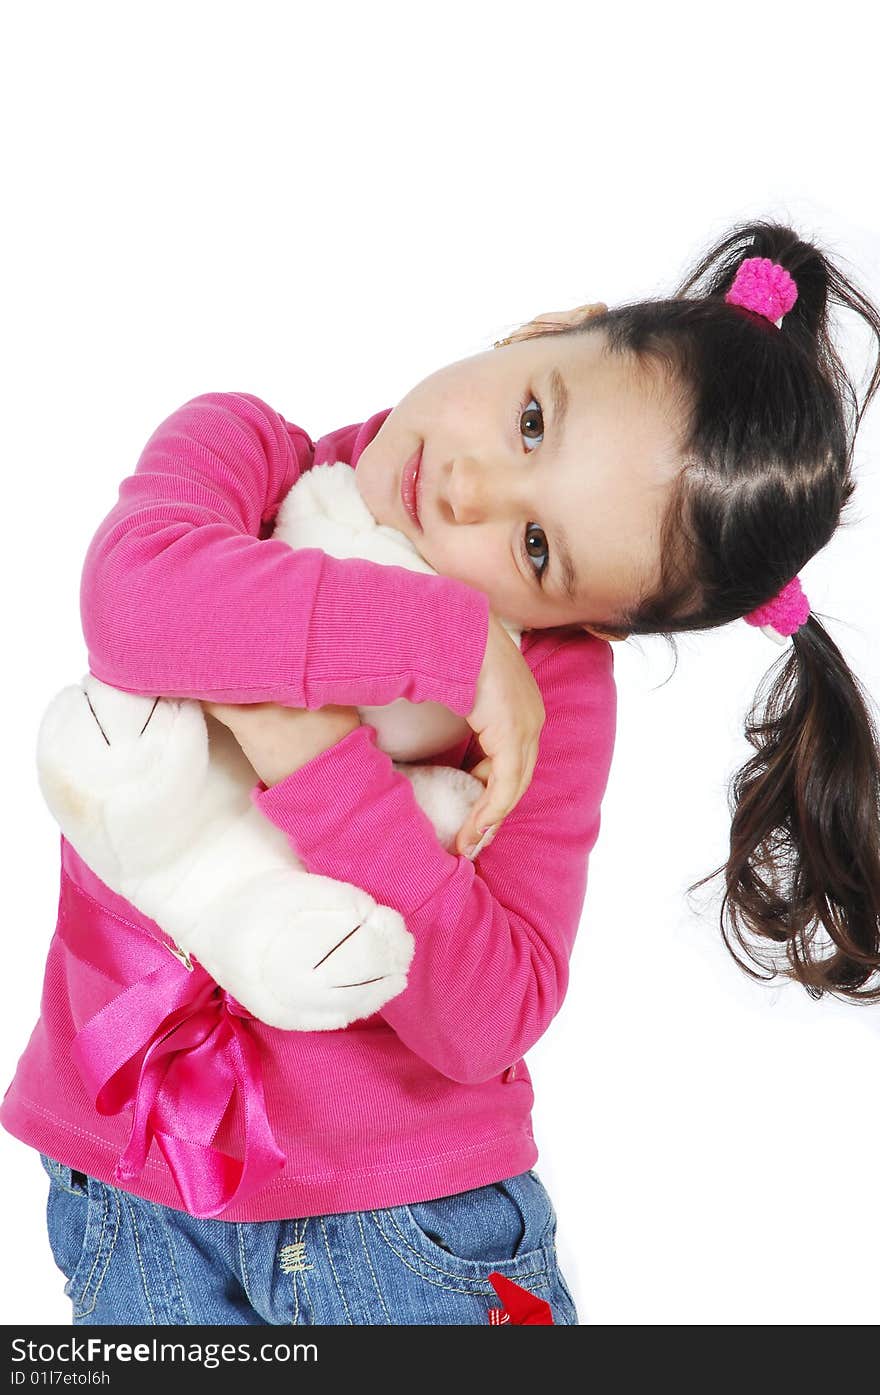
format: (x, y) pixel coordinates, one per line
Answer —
(560, 395)
(566, 565)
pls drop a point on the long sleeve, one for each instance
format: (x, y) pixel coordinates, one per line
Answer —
(181, 596)
(493, 939)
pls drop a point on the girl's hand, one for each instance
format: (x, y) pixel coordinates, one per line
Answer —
(278, 740)
(507, 717)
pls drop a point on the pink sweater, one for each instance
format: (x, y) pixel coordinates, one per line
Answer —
(185, 594)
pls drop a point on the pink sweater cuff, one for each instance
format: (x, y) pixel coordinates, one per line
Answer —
(351, 816)
(367, 634)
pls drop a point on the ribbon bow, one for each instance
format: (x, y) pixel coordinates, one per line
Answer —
(174, 1048)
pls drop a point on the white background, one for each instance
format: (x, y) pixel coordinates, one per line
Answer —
(321, 206)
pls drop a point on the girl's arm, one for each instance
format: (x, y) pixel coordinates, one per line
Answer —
(181, 597)
(493, 939)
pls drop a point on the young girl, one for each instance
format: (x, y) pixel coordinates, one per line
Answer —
(663, 466)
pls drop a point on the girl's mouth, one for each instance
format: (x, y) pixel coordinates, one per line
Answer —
(409, 486)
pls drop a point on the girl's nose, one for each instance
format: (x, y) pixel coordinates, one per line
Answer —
(476, 492)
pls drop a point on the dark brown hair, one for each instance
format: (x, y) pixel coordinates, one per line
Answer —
(771, 419)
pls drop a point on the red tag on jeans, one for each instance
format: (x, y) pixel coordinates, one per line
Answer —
(520, 1306)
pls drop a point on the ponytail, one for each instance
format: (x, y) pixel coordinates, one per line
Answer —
(771, 416)
(804, 864)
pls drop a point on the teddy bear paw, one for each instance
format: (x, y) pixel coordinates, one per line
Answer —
(306, 953)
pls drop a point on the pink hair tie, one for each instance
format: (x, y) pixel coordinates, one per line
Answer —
(782, 615)
(763, 286)
(768, 288)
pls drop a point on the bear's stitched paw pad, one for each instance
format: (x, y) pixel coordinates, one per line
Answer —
(315, 955)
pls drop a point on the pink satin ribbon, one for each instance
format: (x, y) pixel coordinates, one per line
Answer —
(175, 1049)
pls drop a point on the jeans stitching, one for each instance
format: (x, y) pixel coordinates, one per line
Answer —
(78, 1302)
(296, 1273)
(171, 1255)
(303, 1281)
(482, 1286)
(360, 1221)
(137, 1246)
(295, 1286)
(335, 1275)
(242, 1259)
(450, 1273)
(296, 1240)
(157, 1214)
(481, 1291)
(107, 1195)
(57, 1171)
(70, 1190)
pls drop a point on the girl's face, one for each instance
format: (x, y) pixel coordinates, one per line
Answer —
(544, 475)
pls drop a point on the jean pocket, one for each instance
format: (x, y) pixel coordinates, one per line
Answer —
(506, 1226)
(82, 1219)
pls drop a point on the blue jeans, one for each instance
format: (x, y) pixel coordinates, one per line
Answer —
(132, 1261)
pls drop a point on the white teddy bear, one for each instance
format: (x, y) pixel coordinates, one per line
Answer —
(154, 795)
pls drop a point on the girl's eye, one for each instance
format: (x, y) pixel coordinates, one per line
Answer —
(524, 412)
(536, 546)
(534, 538)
